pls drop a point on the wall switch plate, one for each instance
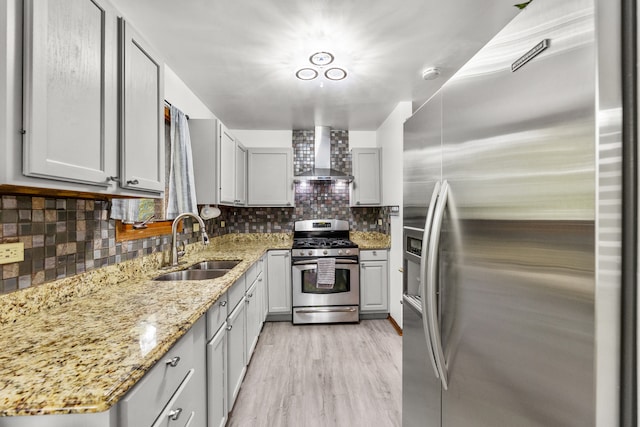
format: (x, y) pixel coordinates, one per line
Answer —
(379, 221)
(221, 224)
(11, 252)
(196, 227)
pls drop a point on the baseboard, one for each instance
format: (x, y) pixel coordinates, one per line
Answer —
(395, 325)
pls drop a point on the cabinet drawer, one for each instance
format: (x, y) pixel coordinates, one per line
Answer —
(374, 255)
(181, 409)
(217, 315)
(145, 401)
(236, 292)
(251, 274)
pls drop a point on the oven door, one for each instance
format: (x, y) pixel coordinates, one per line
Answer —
(345, 291)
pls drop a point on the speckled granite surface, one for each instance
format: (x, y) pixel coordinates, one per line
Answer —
(370, 240)
(76, 345)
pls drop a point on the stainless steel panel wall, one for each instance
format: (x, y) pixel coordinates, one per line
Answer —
(519, 154)
(422, 160)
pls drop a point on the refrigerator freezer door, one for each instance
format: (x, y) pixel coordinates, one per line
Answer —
(420, 387)
(519, 156)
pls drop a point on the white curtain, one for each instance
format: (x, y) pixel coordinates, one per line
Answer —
(182, 189)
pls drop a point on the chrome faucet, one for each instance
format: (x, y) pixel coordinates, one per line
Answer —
(174, 231)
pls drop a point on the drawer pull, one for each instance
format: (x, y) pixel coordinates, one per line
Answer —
(133, 182)
(173, 362)
(229, 327)
(174, 414)
(250, 295)
(223, 303)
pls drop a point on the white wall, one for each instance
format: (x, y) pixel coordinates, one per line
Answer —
(362, 139)
(389, 137)
(264, 138)
(179, 95)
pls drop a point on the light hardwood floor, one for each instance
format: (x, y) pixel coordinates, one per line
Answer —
(323, 376)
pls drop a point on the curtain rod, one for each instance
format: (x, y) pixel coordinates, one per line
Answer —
(169, 104)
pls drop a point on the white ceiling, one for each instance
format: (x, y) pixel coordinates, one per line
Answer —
(240, 56)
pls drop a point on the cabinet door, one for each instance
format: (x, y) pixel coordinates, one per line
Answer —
(252, 311)
(366, 185)
(217, 378)
(204, 146)
(70, 90)
(236, 359)
(241, 175)
(279, 281)
(270, 177)
(227, 166)
(374, 289)
(141, 113)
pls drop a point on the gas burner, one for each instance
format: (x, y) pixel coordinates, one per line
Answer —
(322, 243)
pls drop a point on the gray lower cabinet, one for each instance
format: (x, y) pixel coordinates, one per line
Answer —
(217, 378)
(279, 281)
(236, 359)
(374, 282)
(170, 394)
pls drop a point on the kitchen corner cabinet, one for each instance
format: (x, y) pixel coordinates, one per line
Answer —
(374, 282)
(219, 163)
(279, 281)
(366, 188)
(271, 177)
(141, 113)
(70, 91)
(83, 91)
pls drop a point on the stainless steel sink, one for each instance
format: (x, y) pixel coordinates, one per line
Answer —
(193, 274)
(215, 264)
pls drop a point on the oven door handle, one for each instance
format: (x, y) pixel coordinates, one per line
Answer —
(315, 261)
(327, 310)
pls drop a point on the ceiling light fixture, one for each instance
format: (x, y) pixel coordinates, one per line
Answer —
(306, 74)
(320, 60)
(335, 74)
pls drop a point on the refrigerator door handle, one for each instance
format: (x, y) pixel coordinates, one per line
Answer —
(423, 275)
(432, 269)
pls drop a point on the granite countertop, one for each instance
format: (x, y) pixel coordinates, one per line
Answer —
(77, 345)
(69, 350)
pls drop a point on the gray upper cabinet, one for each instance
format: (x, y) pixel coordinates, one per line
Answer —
(270, 177)
(241, 175)
(366, 188)
(141, 116)
(70, 88)
(227, 167)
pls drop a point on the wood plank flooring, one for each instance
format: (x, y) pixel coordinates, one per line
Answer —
(322, 376)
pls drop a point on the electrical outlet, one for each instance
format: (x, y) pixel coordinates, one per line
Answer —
(380, 222)
(221, 224)
(196, 227)
(11, 252)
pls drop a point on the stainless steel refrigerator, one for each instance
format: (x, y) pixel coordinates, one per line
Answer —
(501, 194)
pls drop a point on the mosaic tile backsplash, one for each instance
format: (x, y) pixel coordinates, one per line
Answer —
(63, 237)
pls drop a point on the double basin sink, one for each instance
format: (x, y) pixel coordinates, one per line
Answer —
(201, 271)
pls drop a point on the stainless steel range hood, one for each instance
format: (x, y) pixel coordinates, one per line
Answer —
(322, 160)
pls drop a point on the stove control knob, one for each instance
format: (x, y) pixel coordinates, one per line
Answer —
(347, 252)
(301, 253)
(339, 251)
(325, 252)
(310, 253)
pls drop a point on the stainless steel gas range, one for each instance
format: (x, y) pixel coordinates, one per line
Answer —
(325, 272)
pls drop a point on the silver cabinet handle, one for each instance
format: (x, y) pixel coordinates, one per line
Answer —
(223, 303)
(375, 253)
(423, 274)
(113, 179)
(173, 362)
(432, 268)
(133, 182)
(174, 414)
(250, 295)
(229, 327)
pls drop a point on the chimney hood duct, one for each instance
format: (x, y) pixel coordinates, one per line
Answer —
(322, 160)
